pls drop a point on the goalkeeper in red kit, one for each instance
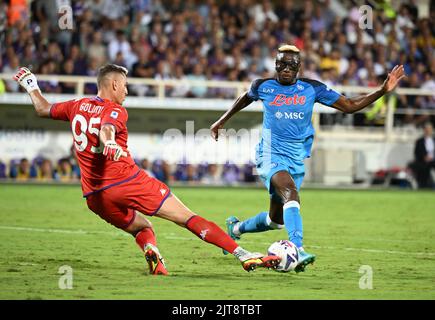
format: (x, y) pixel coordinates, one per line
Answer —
(115, 188)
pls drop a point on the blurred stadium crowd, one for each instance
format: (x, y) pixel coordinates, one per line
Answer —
(67, 170)
(233, 40)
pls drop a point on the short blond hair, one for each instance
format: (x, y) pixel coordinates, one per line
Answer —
(288, 48)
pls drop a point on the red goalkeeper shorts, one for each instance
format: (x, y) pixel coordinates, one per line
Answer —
(118, 204)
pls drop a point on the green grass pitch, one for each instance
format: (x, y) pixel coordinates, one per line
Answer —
(45, 227)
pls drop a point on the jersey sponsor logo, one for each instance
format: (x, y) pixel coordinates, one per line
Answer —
(293, 115)
(281, 99)
(90, 108)
(268, 90)
(289, 115)
(278, 115)
(114, 114)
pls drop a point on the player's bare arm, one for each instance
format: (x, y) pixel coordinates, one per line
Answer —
(42, 106)
(107, 133)
(28, 81)
(351, 105)
(242, 102)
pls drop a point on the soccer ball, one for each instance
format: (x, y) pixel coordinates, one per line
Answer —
(288, 253)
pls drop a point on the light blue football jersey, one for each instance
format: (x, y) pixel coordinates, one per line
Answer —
(287, 112)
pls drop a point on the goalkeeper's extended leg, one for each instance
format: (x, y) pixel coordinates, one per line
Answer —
(211, 233)
(174, 210)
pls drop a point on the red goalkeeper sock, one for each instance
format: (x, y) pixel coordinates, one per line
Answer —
(146, 235)
(211, 233)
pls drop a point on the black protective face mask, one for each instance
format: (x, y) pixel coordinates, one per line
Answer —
(281, 65)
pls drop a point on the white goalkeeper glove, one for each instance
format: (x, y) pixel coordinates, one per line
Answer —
(112, 150)
(27, 80)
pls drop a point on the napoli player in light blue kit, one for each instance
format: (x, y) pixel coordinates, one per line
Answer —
(286, 141)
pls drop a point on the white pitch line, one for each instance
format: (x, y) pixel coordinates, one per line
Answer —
(172, 236)
(65, 231)
(325, 248)
(381, 240)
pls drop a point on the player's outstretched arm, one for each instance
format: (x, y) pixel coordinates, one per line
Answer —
(351, 105)
(242, 102)
(112, 150)
(28, 81)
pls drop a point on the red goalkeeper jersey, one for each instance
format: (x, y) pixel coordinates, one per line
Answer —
(86, 117)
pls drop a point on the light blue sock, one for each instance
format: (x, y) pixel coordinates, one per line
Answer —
(258, 223)
(293, 222)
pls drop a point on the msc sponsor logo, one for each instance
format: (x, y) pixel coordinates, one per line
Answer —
(289, 115)
(282, 99)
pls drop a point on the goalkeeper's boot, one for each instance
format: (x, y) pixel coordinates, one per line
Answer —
(230, 222)
(255, 260)
(155, 261)
(305, 259)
